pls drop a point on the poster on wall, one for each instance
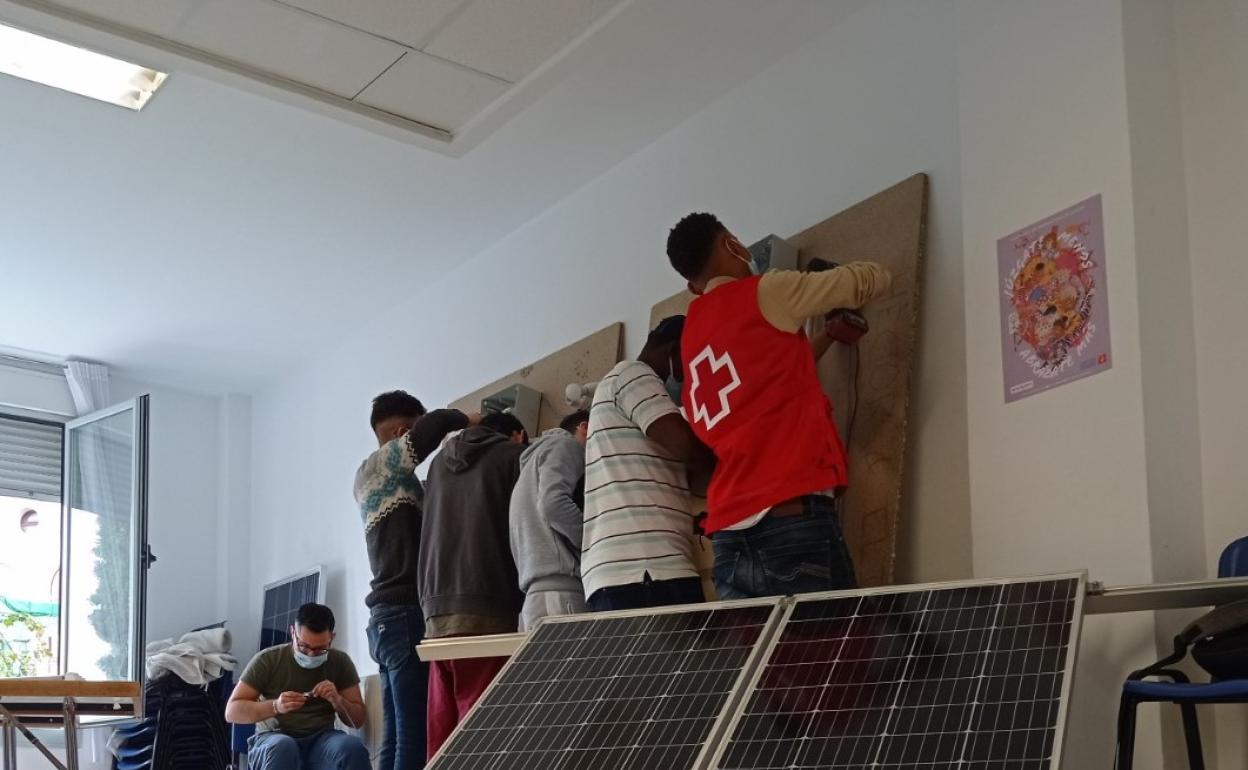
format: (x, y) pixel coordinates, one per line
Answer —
(1054, 304)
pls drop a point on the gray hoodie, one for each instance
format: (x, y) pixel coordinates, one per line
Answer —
(546, 518)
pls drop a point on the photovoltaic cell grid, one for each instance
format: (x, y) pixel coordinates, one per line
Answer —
(281, 604)
(969, 678)
(610, 693)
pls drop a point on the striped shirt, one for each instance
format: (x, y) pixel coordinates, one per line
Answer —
(636, 496)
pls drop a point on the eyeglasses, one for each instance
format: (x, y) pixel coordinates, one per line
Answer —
(315, 652)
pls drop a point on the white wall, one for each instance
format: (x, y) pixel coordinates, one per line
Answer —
(1213, 82)
(803, 140)
(1058, 480)
(183, 500)
(1167, 327)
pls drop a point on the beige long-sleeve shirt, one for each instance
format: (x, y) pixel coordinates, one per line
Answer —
(788, 297)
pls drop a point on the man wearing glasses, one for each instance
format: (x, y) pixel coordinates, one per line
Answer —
(293, 693)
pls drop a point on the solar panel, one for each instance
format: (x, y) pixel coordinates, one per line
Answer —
(282, 600)
(618, 691)
(964, 676)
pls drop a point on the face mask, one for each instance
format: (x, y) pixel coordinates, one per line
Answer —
(749, 262)
(310, 661)
(673, 385)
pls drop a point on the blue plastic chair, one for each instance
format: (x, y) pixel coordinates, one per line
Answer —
(239, 735)
(1234, 560)
(1181, 691)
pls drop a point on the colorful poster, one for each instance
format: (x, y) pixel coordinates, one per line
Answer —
(1054, 304)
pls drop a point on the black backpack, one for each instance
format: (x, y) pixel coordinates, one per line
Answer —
(1218, 641)
(1221, 647)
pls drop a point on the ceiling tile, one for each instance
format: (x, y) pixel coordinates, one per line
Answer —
(511, 38)
(147, 15)
(432, 91)
(411, 22)
(264, 35)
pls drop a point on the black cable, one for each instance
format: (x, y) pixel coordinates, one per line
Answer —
(853, 412)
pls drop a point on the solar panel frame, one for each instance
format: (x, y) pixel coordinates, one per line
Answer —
(770, 627)
(791, 603)
(275, 620)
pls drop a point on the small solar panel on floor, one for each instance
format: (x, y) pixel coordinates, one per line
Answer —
(281, 604)
(968, 677)
(612, 692)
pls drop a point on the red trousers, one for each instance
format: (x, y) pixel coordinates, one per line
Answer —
(454, 686)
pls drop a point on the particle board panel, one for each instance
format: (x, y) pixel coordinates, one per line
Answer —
(587, 360)
(889, 228)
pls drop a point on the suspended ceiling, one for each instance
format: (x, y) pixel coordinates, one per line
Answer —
(432, 69)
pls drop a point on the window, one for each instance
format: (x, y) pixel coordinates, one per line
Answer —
(74, 519)
(30, 546)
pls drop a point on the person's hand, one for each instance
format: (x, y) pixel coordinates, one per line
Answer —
(290, 701)
(326, 691)
(474, 418)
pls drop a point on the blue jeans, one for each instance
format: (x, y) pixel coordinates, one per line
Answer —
(326, 750)
(394, 630)
(648, 593)
(783, 555)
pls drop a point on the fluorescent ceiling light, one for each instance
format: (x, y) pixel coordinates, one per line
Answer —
(77, 70)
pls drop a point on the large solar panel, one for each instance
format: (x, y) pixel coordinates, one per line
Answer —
(971, 677)
(282, 600)
(624, 691)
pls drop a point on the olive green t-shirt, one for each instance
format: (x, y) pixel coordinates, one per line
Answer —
(274, 671)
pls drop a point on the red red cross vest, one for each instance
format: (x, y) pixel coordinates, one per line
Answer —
(752, 395)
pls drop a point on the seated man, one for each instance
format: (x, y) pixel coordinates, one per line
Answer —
(468, 581)
(292, 693)
(546, 521)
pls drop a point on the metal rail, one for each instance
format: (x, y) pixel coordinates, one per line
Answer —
(1099, 600)
(1163, 596)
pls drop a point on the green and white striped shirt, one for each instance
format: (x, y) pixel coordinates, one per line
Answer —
(637, 517)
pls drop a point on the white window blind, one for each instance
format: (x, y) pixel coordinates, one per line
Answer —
(30, 459)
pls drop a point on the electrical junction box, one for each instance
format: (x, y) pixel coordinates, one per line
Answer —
(522, 402)
(773, 253)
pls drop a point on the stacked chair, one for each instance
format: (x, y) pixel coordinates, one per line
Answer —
(183, 728)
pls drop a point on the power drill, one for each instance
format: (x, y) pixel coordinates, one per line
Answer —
(844, 325)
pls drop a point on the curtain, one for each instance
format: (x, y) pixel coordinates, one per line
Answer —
(88, 385)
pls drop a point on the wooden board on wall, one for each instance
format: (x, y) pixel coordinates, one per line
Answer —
(587, 360)
(889, 228)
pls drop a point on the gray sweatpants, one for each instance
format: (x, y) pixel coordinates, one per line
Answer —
(539, 604)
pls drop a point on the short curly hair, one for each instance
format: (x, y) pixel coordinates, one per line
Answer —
(690, 242)
(395, 403)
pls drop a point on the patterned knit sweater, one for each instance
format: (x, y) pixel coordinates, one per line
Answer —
(390, 498)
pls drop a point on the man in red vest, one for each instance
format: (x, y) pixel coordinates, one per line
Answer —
(752, 394)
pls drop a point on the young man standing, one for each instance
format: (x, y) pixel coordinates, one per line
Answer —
(389, 496)
(639, 534)
(753, 395)
(293, 692)
(468, 581)
(546, 521)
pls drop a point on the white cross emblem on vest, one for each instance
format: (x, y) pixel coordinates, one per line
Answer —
(703, 368)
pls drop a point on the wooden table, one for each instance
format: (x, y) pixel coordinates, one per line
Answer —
(60, 703)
